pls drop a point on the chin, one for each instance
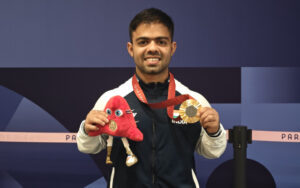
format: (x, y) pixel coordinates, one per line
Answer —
(154, 71)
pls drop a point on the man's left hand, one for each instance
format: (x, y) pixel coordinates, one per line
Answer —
(209, 119)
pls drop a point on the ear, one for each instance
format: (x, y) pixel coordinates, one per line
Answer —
(173, 47)
(130, 48)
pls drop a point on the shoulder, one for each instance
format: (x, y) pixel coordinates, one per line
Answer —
(182, 89)
(123, 90)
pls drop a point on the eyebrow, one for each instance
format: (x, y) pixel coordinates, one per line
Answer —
(156, 38)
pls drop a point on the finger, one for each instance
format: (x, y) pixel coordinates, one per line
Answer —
(102, 118)
(208, 115)
(100, 112)
(211, 127)
(211, 124)
(208, 120)
(90, 128)
(202, 110)
(97, 117)
(205, 113)
(97, 120)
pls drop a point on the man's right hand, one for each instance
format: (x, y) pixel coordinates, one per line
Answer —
(95, 117)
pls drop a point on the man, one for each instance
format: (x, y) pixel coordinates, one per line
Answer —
(166, 155)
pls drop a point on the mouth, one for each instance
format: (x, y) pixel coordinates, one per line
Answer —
(152, 60)
(112, 125)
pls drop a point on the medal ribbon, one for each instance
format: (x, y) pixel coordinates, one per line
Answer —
(169, 103)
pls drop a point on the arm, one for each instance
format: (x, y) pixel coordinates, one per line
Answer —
(89, 144)
(212, 141)
(212, 146)
(93, 144)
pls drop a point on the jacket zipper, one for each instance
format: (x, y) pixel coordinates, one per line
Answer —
(153, 153)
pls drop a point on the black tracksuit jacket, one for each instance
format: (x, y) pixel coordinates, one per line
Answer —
(166, 155)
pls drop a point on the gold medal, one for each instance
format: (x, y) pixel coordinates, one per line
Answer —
(112, 125)
(188, 111)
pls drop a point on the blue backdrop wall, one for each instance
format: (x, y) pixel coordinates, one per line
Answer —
(244, 54)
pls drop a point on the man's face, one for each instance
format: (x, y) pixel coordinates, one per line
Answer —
(151, 48)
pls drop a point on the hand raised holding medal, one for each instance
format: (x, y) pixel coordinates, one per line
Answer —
(191, 111)
(209, 119)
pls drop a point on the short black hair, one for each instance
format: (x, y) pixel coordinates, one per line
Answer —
(151, 15)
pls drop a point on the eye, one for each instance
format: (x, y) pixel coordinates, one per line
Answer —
(108, 111)
(142, 42)
(119, 112)
(162, 42)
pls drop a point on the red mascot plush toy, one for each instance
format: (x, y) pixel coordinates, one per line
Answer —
(122, 124)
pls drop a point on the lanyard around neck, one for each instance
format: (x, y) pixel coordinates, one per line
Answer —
(169, 103)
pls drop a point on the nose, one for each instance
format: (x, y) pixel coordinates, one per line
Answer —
(152, 48)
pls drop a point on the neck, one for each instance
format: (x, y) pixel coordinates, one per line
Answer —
(156, 78)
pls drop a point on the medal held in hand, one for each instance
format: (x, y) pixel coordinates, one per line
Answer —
(188, 111)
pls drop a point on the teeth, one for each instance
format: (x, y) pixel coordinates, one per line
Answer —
(152, 59)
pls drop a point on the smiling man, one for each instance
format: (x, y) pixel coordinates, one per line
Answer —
(151, 48)
(166, 154)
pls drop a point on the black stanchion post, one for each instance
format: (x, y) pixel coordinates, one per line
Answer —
(240, 136)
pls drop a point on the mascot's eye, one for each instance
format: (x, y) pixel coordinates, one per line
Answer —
(108, 111)
(118, 112)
